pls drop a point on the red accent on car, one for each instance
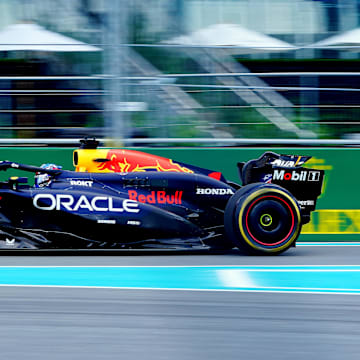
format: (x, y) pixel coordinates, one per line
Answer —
(215, 175)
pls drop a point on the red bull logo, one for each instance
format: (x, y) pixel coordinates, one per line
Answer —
(132, 161)
(156, 197)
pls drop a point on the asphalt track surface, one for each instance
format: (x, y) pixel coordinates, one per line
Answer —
(82, 323)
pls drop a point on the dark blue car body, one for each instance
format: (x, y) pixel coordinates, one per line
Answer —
(158, 210)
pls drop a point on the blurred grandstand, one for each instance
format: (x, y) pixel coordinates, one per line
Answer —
(180, 72)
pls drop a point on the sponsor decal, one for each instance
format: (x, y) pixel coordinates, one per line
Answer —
(106, 221)
(267, 178)
(134, 222)
(306, 202)
(290, 161)
(283, 163)
(10, 241)
(87, 183)
(156, 197)
(303, 175)
(333, 221)
(51, 202)
(210, 191)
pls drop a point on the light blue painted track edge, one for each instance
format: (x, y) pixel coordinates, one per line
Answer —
(328, 279)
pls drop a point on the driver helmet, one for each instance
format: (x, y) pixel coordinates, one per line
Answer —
(43, 179)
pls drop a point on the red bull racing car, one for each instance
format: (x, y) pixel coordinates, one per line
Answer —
(125, 199)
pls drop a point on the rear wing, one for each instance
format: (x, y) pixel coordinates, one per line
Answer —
(254, 170)
(286, 171)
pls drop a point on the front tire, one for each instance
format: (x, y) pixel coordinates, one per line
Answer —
(262, 219)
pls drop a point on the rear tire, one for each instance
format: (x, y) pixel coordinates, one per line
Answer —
(262, 219)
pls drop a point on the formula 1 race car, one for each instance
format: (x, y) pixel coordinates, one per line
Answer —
(125, 199)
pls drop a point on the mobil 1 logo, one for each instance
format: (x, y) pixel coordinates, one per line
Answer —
(296, 175)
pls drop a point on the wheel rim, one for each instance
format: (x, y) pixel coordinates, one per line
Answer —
(269, 220)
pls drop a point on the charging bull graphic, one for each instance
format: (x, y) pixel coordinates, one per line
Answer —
(130, 160)
(117, 160)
